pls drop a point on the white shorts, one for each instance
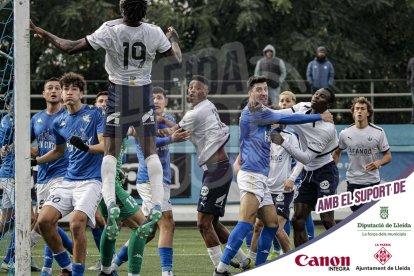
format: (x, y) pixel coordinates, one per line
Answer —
(43, 190)
(144, 191)
(76, 195)
(7, 200)
(255, 183)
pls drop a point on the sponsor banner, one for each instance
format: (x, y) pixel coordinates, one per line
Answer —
(375, 240)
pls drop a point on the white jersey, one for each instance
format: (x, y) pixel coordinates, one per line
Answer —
(280, 164)
(320, 137)
(208, 133)
(129, 50)
(363, 146)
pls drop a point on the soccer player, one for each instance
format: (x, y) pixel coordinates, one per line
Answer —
(166, 223)
(51, 174)
(79, 129)
(130, 46)
(101, 99)
(320, 175)
(363, 142)
(209, 135)
(255, 123)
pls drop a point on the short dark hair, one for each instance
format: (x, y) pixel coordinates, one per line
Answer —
(159, 90)
(51, 79)
(133, 10)
(201, 79)
(74, 79)
(332, 95)
(255, 79)
(363, 100)
(8, 97)
(101, 93)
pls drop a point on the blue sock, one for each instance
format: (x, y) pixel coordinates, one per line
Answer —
(78, 269)
(264, 244)
(249, 239)
(310, 227)
(97, 233)
(62, 259)
(122, 256)
(166, 258)
(10, 252)
(48, 259)
(67, 242)
(235, 241)
(276, 245)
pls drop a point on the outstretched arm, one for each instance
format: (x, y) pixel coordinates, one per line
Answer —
(65, 45)
(175, 50)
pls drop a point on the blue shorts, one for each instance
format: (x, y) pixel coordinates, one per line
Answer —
(352, 187)
(217, 179)
(130, 106)
(282, 203)
(318, 183)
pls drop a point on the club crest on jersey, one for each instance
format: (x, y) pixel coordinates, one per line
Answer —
(324, 185)
(204, 191)
(370, 138)
(39, 120)
(280, 198)
(86, 118)
(62, 123)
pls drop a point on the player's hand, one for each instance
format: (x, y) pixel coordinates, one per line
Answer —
(276, 138)
(165, 132)
(78, 143)
(180, 135)
(373, 166)
(37, 31)
(288, 185)
(327, 117)
(172, 35)
(33, 162)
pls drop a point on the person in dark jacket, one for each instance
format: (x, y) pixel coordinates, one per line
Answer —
(410, 83)
(320, 71)
(273, 69)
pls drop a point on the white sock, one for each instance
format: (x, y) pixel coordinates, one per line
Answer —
(155, 175)
(132, 274)
(215, 254)
(221, 267)
(108, 172)
(34, 238)
(240, 256)
(114, 267)
(106, 269)
(167, 273)
(252, 255)
(47, 269)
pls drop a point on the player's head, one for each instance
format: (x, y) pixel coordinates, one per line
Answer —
(133, 10)
(73, 86)
(52, 90)
(361, 109)
(258, 90)
(160, 99)
(322, 99)
(101, 99)
(8, 101)
(197, 89)
(287, 99)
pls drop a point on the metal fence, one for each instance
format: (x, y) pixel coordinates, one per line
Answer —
(390, 97)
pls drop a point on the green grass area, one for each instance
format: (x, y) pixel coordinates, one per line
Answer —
(190, 254)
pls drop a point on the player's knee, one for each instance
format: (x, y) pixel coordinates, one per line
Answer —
(258, 226)
(298, 223)
(76, 227)
(204, 226)
(45, 224)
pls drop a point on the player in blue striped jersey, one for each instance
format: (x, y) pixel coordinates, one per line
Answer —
(80, 131)
(255, 124)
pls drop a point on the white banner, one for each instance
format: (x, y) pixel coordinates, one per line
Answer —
(377, 241)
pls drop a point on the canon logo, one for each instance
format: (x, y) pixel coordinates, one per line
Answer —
(304, 260)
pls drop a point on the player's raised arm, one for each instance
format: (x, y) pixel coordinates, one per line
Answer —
(65, 45)
(54, 154)
(175, 50)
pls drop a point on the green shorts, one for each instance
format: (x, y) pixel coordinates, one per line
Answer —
(127, 204)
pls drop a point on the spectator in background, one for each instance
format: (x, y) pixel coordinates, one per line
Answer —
(410, 83)
(101, 99)
(320, 71)
(273, 69)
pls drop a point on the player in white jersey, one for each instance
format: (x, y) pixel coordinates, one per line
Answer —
(363, 141)
(320, 176)
(130, 47)
(209, 135)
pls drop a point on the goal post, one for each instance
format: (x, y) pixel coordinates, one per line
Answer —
(22, 136)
